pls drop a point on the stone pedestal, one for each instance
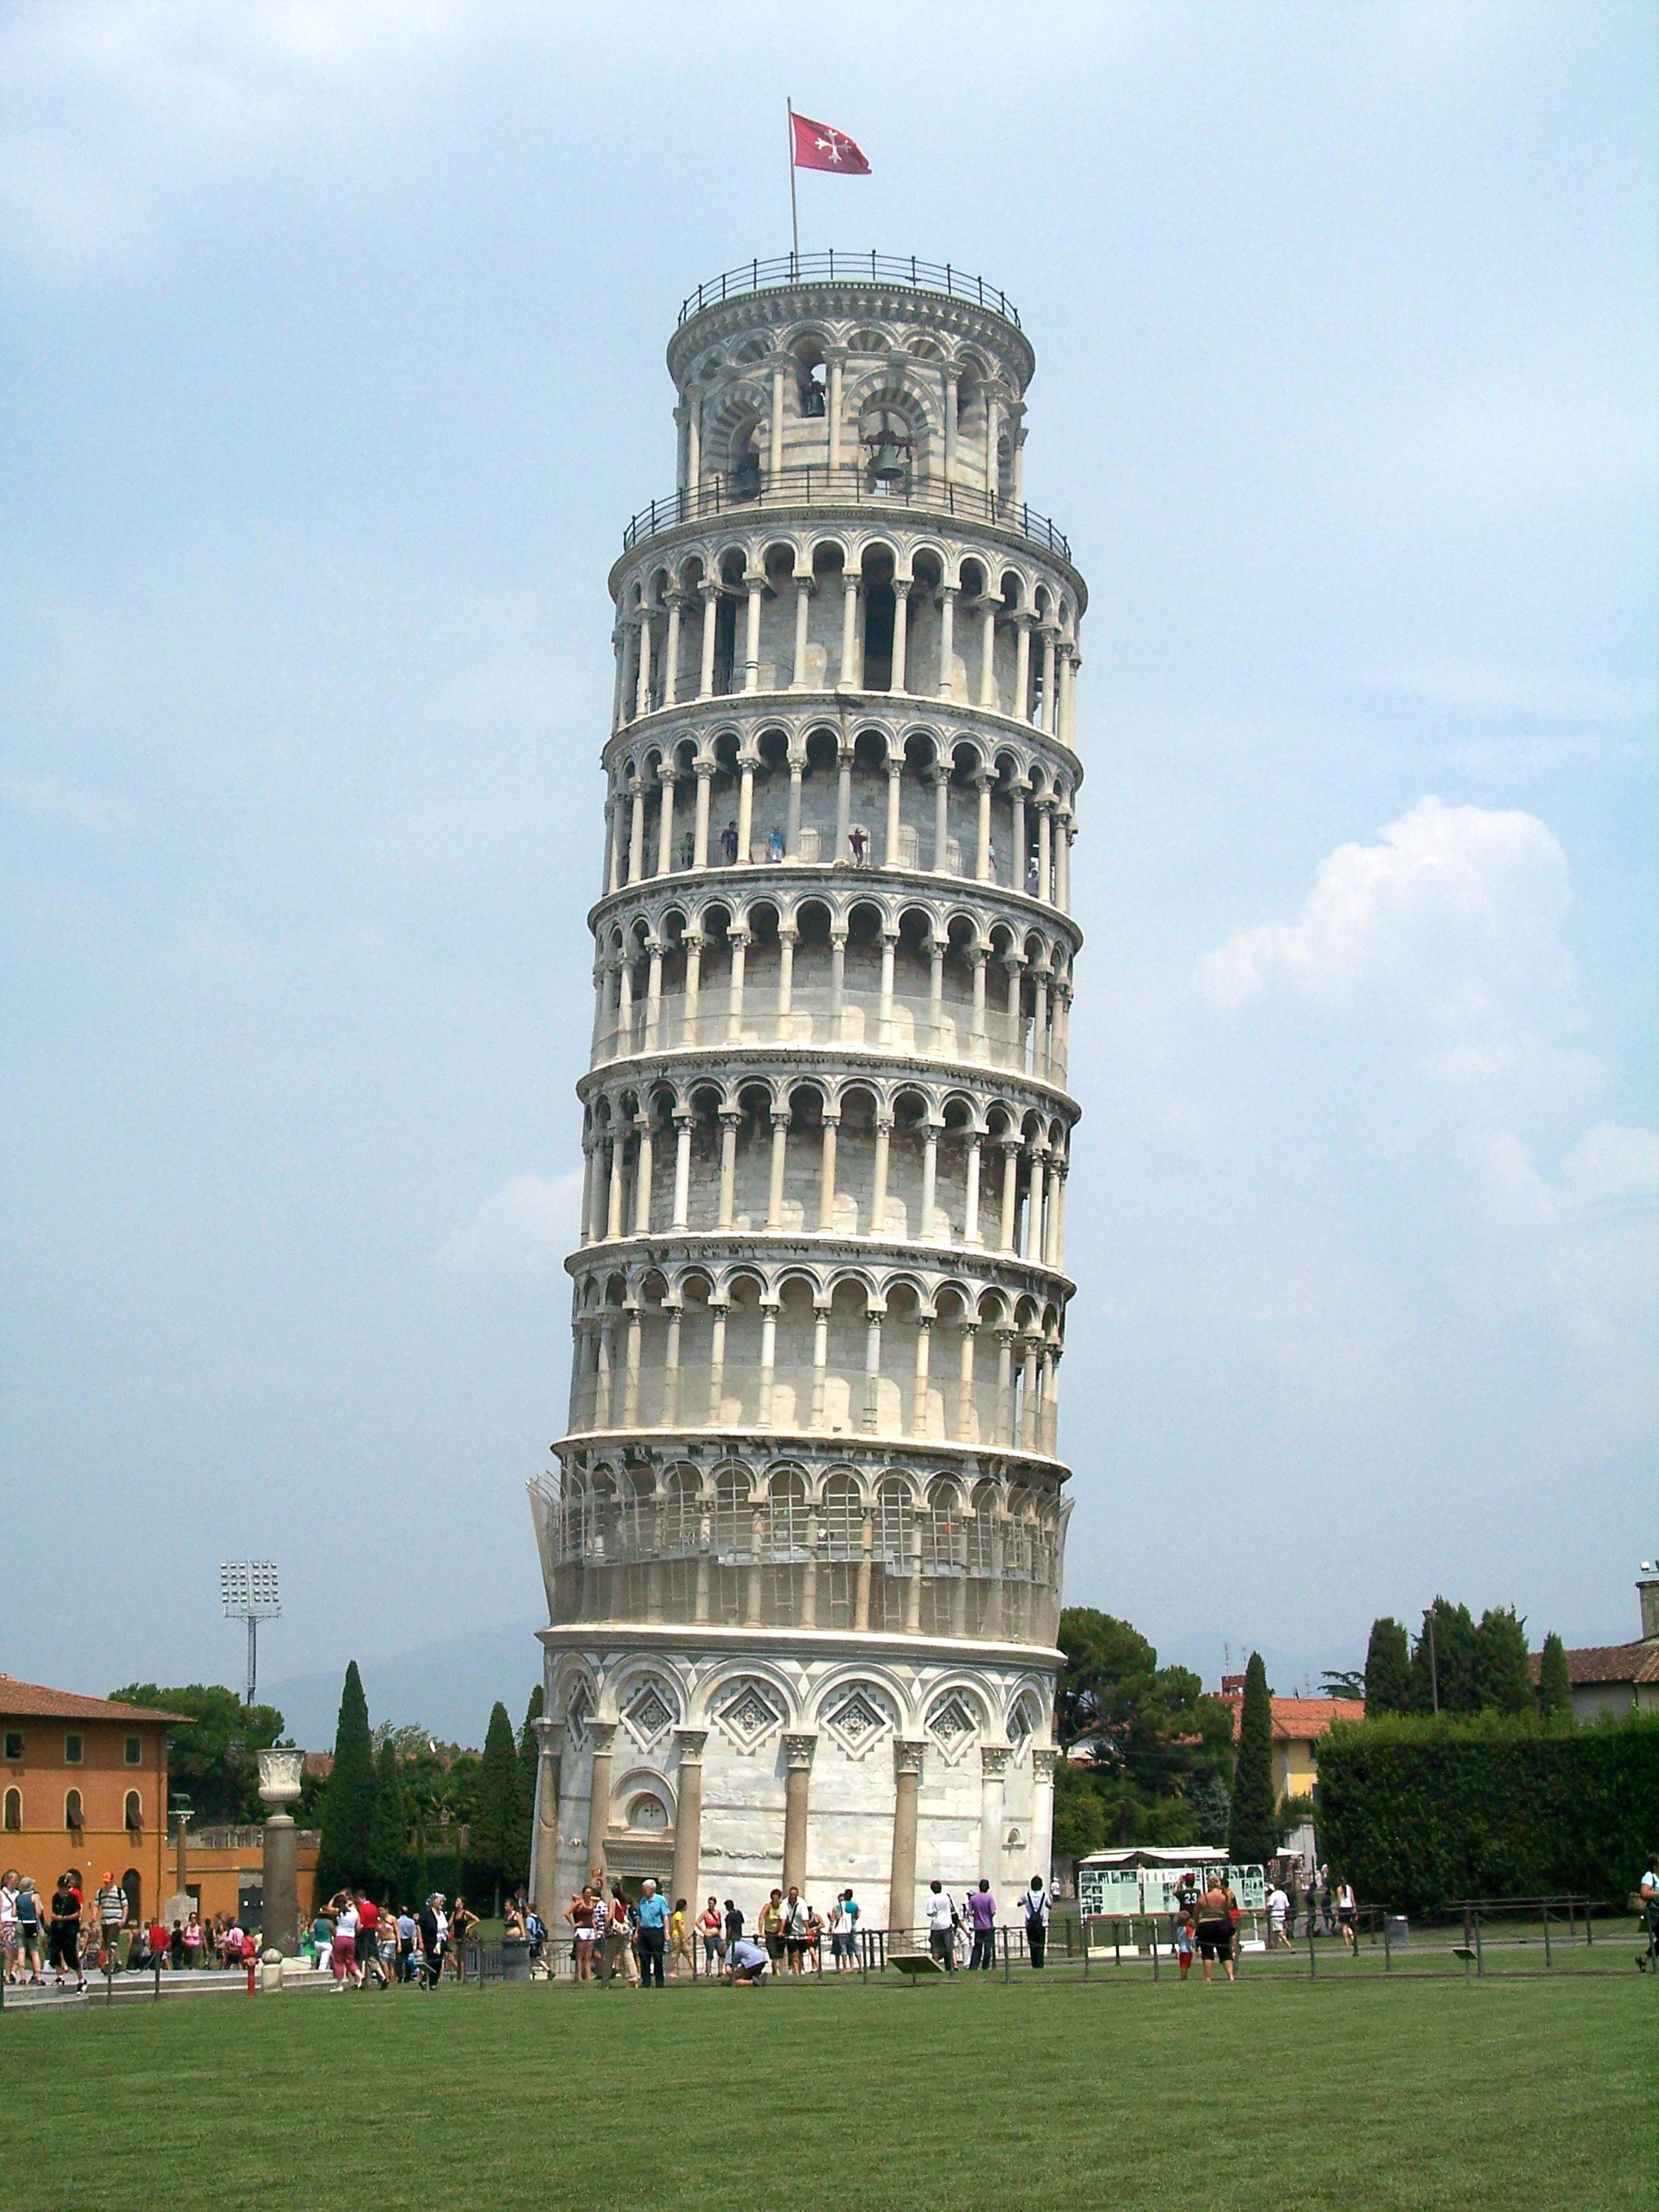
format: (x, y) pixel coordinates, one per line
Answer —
(280, 1776)
(544, 1849)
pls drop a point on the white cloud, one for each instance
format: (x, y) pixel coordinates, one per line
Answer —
(521, 1232)
(1452, 918)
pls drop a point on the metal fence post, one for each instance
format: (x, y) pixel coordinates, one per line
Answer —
(1547, 1935)
(1313, 1963)
(1388, 1948)
(1154, 1935)
(1480, 1956)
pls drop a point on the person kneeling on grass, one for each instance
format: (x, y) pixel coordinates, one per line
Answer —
(746, 1961)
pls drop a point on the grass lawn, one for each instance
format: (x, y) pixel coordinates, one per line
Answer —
(967, 2097)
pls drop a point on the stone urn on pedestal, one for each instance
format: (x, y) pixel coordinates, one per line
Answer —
(281, 1773)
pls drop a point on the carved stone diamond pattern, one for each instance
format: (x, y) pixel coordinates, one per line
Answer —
(950, 1725)
(857, 1722)
(649, 1715)
(749, 1713)
(575, 1720)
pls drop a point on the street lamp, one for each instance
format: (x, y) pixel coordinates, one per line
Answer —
(248, 1591)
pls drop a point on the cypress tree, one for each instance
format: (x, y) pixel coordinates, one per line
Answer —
(388, 1834)
(1443, 1663)
(496, 1808)
(343, 1856)
(1387, 1669)
(1554, 1680)
(1503, 1680)
(1253, 1831)
(529, 1764)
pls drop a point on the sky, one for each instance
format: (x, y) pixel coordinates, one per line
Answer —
(332, 364)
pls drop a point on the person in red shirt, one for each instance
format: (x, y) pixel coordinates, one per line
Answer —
(368, 1942)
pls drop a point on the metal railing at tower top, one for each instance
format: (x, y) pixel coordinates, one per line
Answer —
(850, 485)
(832, 268)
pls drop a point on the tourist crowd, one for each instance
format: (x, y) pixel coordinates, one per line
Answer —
(645, 1939)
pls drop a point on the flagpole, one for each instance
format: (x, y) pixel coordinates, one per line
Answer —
(794, 219)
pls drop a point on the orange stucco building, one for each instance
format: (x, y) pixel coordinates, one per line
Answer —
(83, 1783)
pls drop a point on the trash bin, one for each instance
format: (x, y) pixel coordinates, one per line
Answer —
(1399, 1930)
(515, 1960)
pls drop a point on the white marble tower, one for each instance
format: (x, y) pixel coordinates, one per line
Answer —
(802, 1545)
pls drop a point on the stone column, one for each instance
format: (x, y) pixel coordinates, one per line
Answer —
(704, 773)
(642, 694)
(774, 442)
(941, 777)
(688, 1822)
(820, 1365)
(281, 1773)
(890, 856)
(666, 822)
(970, 1208)
(711, 593)
(545, 1849)
(682, 1167)
(797, 1772)
(1023, 668)
(965, 1385)
(745, 810)
(852, 668)
(780, 1118)
(785, 977)
(602, 1734)
(670, 1370)
(1042, 1812)
(947, 644)
(1047, 719)
(993, 1788)
(901, 612)
(803, 606)
(982, 839)
(902, 1886)
(827, 1176)
(751, 638)
(670, 663)
(919, 1390)
(924, 1227)
(728, 1165)
(988, 653)
(636, 831)
(833, 362)
(843, 801)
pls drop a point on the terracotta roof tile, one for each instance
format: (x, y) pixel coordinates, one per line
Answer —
(1608, 1663)
(32, 1701)
(1299, 1720)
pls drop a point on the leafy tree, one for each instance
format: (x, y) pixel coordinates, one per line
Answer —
(1212, 1809)
(1503, 1679)
(1387, 1669)
(1080, 1812)
(343, 1856)
(1150, 1735)
(1442, 1662)
(1554, 1680)
(389, 1826)
(529, 1765)
(1343, 1682)
(492, 1841)
(212, 1763)
(1253, 1831)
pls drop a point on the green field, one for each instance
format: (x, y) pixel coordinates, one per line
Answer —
(969, 2097)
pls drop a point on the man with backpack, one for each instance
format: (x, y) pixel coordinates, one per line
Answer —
(943, 1921)
(1037, 1920)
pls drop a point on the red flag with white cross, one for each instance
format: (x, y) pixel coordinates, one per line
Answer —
(821, 146)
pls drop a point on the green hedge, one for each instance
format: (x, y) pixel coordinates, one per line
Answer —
(1417, 1812)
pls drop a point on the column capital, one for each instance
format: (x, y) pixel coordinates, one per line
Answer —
(1043, 1762)
(550, 1735)
(908, 1754)
(994, 1760)
(703, 770)
(602, 1734)
(690, 1743)
(797, 1750)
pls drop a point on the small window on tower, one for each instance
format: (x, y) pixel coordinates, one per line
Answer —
(135, 1751)
(133, 1812)
(14, 1745)
(13, 1808)
(74, 1750)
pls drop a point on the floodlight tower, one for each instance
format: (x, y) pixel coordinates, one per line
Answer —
(248, 1591)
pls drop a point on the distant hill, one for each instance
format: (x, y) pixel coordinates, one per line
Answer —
(447, 1687)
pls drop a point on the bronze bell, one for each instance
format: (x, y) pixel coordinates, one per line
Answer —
(889, 469)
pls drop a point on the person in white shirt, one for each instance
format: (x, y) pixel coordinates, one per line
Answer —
(1279, 1908)
(942, 1925)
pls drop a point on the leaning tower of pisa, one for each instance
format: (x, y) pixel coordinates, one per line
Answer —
(802, 1543)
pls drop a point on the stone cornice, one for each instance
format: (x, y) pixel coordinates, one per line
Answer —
(717, 1639)
(750, 1062)
(685, 1441)
(806, 1248)
(814, 710)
